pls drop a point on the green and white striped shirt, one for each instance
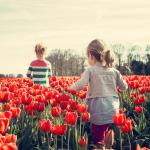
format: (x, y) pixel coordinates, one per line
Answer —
(40, 71)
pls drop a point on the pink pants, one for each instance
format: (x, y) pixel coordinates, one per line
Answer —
(99, 132)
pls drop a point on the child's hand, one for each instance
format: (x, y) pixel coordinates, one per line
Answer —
(71, 90)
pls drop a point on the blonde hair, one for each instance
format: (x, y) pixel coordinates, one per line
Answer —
(40, 49)
(99, 50)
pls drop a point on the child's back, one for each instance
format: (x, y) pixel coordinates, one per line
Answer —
(102, 81)
(40, 69)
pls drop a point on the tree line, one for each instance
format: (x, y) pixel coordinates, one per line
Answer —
(132, 59)
(66, 62)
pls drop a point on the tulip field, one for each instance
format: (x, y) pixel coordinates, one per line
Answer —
(33, 117)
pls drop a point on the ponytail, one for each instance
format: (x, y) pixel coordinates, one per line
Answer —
(109, 58)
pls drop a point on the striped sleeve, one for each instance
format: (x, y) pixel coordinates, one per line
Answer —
(29, 72)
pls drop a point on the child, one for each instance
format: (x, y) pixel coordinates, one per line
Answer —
(40, 69)
(102, 95)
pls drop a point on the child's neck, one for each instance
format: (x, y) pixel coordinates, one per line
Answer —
(40, 57)
(99, 63)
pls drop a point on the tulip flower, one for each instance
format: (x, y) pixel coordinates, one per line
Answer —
(139, 148)
(71, 118)
(56, 111)
(81, 108)
(15, 112)
(85, 117)
(63, 104)
(8, 146)
(119, 119)
(59, 129)
(138, 109)
(141, 98)
(46, 125)
(4, 123)
(10, 138)
(127, 126)
(82, 141)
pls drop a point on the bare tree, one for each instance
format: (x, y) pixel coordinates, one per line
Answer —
(65, 63)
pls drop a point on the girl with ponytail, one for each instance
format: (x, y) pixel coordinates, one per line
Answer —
(102, 95)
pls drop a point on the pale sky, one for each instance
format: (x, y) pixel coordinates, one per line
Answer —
(67, 24)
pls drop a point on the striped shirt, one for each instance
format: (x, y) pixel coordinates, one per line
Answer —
(40, 71)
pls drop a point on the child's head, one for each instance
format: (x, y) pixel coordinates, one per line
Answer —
(97, 52)
(40, 50)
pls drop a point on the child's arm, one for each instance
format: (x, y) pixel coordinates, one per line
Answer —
(49, 70)
(121, 82)
(29, 72)
(82, 81)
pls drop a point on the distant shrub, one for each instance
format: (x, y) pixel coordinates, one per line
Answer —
(2, 76)
(20, 76)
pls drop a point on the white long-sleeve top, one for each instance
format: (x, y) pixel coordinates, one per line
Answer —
(102, 81)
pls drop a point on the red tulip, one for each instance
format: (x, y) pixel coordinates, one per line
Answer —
(9, 146)
(1, 96)
(139, 148)
(59, 129)
(53, 78)
(138, 109)
(8, 114)
(63, 104)
(141, 98)
(4, 123)
(46, 125)
(5, 96)
(53, 102)
(15, 112)
(82, 95)
(85, 117)
(56, 111)
(142, 90)
(81, 108)
(82, 141)
(127, 126)
(41, 107)
(73, 104)
(71, 118)
(119, 119)
(10, 138)
(26, 99)
(37, 86)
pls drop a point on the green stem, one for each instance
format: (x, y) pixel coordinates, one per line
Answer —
(47, 140)
(80, 126)
(68, 137)
(120, 137)
(83, 128)
(56, 142)
(62, 142)
(39, 138)
(129, 142)
(32, 121)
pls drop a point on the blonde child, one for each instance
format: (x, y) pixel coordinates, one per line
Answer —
(40, 69)
(102, 96)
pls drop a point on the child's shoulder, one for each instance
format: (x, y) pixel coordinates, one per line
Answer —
(38, 62)
(112, 69)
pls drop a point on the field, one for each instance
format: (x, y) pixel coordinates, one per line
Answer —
(37, 118)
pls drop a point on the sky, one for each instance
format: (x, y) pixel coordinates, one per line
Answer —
(67, 24)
